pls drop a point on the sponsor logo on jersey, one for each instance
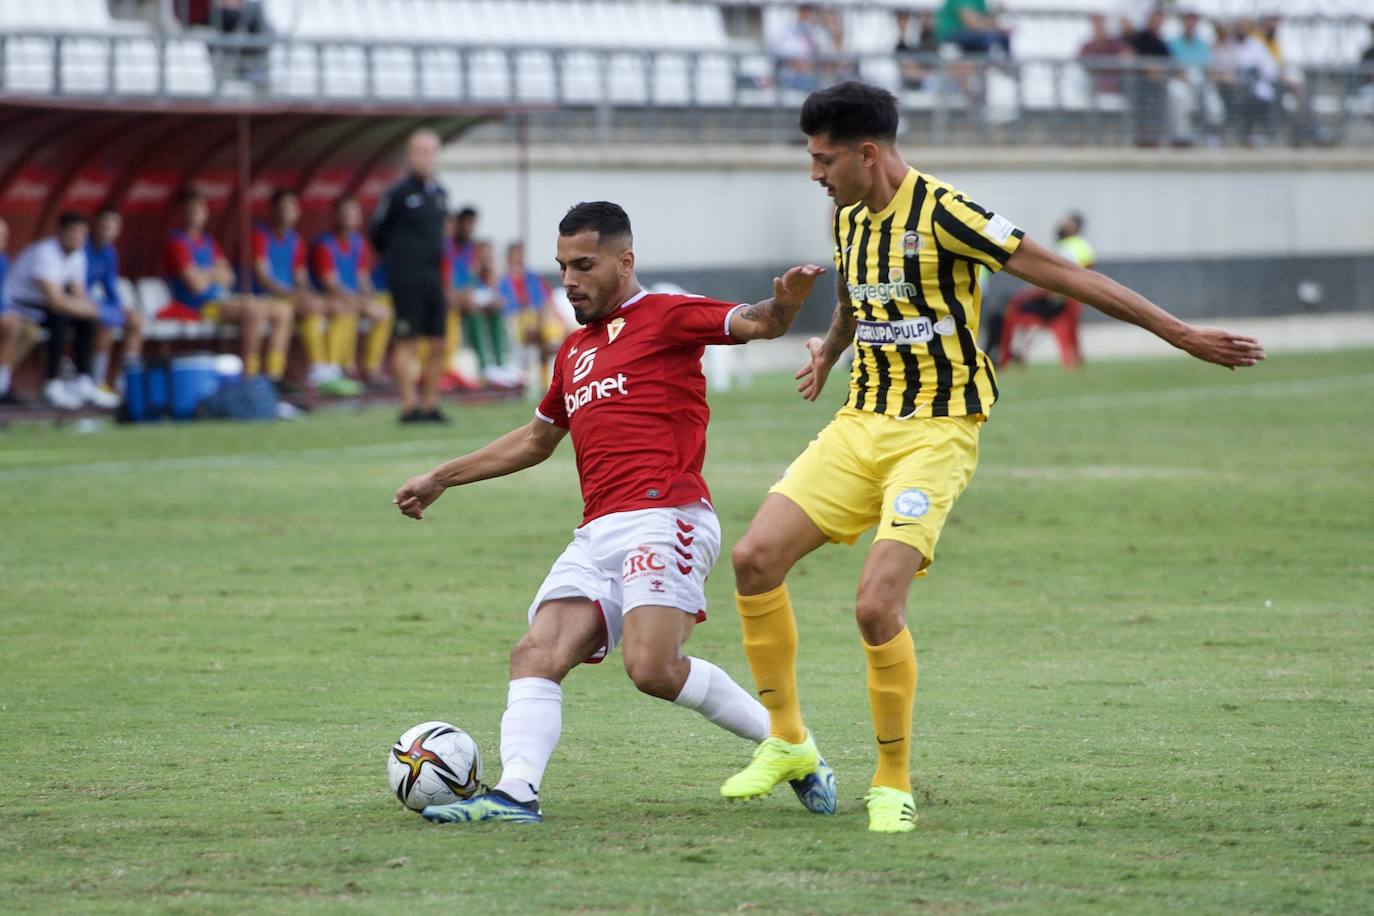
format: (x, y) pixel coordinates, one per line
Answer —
(578, 398)
(583, 367)
(902, 333)
(883, 292)
(613, 330)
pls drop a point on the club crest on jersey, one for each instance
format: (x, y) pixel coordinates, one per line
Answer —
(583, 367)
(911, 243)
(613, 330)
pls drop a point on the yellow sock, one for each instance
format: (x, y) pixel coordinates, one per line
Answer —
(343, 340)
(312, 339)
(453, 338)
(253, 364)
(891, 695)
(276, 364)
(770, 643)
(378, 339)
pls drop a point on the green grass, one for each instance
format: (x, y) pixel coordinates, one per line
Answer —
(1147, 676)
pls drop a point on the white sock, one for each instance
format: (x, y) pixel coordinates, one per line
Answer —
(711, 692)
(100, 365)
(529, 733)
(6, 373)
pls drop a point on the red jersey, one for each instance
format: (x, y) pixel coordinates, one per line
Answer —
(630, 390)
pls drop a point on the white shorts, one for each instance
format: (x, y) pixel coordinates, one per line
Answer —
(626, 560)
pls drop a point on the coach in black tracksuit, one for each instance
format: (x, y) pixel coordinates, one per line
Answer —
(407, 229)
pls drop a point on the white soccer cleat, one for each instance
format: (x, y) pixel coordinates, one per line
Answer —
(58, 394)
(90, 393)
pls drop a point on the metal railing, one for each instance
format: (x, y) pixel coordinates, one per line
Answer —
(740, 95)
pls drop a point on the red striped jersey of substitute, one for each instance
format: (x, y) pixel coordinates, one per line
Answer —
(630, 390)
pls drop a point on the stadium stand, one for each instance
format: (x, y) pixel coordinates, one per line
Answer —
(124, 102)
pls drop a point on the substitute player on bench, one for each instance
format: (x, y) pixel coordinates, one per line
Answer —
(628, 386)
(898, 454)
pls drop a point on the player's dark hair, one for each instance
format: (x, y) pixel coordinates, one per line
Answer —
(282, 194)
(107, 210)
(606, 219)
(70, 218)
(466, 213)
(189, 196)
(850, 111)
(341, 202)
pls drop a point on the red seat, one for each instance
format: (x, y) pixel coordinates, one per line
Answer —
(1064, 326)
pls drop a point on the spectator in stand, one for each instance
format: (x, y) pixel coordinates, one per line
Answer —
(801, 49)
(18, 333)
(407, 229)
(916, 47)
(1287, 83)
(971, 25)
(1192, 95)
(47, 285)
(529, 307)
(1149, 80)
(340, 270)
(1101, 47)
(281, 278)
(200, 280)
(243, 17)
(102, 282)
(1247, 77)
(837, 68)
(486, 329)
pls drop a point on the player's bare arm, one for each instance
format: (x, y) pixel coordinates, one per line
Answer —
(1042, 267)
(824, 353)
(773, 316)
(518, 449)
(67, 301)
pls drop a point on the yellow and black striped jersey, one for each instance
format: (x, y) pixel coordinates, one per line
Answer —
(911, 272)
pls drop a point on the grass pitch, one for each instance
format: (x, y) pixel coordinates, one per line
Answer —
(1147, 668)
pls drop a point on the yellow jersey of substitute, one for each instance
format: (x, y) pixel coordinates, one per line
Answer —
(911, 272)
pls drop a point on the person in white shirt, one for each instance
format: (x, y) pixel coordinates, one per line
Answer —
(47, 285)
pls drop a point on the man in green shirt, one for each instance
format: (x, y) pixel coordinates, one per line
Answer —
(972, 26)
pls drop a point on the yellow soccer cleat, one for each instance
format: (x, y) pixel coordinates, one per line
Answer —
(775, 761)
(890, 810)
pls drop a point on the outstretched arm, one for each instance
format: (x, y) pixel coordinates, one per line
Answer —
(516, 450)
(1039, 266)
(825, 353)
(773, 316)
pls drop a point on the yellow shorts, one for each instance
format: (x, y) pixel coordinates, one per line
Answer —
(866, 468)
(212, 311)
(528, 323)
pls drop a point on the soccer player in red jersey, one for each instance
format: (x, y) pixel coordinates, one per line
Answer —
(628, 386)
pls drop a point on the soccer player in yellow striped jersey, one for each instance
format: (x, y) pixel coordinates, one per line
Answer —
(908, 248)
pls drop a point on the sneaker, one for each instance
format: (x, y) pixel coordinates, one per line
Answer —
(816, 790)
(494, 805)
(890, 810)
(341, 387)
(58, 394)
(91, 393)
(775, 761)
(414, 415)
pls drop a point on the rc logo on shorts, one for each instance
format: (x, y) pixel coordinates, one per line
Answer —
(911, 503)
(643, 562)
(583, 367)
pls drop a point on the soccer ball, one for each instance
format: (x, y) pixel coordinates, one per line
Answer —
(434, 763)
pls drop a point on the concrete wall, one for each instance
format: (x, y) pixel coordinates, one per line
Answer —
(1205, 233)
